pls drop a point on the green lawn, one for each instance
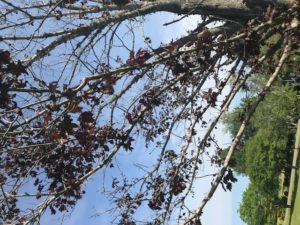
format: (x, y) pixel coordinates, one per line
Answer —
(296, 210)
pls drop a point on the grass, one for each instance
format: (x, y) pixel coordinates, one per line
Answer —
(296, 209)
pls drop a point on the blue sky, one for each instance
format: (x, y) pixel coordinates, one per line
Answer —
(221, 210)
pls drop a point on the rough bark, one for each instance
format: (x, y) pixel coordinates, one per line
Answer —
(238, 10)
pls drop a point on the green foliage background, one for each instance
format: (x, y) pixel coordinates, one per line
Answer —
(265, 151)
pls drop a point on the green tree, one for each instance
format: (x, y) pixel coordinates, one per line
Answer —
(262, 159)
(265, 152)
(256, 208)
(272, 124)
(237, 161)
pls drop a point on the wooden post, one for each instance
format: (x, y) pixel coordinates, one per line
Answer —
(287, 217)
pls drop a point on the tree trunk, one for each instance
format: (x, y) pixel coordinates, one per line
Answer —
(239, 10)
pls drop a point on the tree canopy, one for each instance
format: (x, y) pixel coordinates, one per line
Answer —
(265, 151)
(81, 86)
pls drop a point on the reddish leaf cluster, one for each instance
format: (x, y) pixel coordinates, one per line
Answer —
(139, 59)
(186, 63)
(126, 220)
(107, 87)
(68, 2)
(106, 84)
(64, 163)
(204, 37)
(146, 102)
(247, 48)
(9, 73)
(130, 205)
(177, 183)
(8, 66)
(210, 96)
(228, 180)
(120, 2)
(158, 196)
(9, 209)
(4, 57)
